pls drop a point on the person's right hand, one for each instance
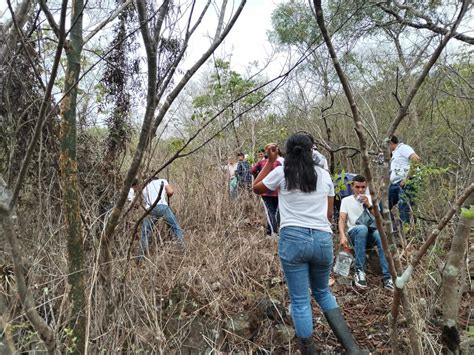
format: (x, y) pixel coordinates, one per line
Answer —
(272, 152)
(344, 242)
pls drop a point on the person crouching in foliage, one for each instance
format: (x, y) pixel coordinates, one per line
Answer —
(305, 201)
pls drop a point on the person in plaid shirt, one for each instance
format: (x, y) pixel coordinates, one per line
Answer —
(244, 178)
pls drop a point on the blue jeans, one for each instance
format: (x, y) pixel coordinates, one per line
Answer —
(160, 211)
(306, 256)
(400, 195)
(362, 238)
(271, 211)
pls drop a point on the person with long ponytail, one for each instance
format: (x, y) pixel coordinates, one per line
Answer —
(305, 201)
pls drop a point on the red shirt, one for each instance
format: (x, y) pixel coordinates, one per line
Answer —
(257, 167)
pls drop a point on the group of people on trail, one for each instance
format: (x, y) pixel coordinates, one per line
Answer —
(305, 195)
(298, 195)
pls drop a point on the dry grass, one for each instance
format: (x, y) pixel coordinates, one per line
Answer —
(224, 292)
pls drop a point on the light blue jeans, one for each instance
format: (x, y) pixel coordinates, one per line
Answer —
(361, 239)
(306, 256)
(160, 211)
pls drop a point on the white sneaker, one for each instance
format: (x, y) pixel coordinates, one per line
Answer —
(360, 279)
(388, 285)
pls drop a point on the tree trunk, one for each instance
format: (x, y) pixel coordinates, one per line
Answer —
(69, 185)
(453, 282)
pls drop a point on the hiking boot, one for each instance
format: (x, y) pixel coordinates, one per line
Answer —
(360, 279)
(343, 334)
(388, 285)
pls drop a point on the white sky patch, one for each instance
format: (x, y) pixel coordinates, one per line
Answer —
(246, 43)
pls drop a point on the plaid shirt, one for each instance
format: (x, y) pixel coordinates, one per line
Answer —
(243, 173)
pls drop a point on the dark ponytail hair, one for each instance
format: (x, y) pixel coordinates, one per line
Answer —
(299, 164)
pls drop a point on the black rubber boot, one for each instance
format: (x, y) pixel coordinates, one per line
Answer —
(343, 334)
(306, 346)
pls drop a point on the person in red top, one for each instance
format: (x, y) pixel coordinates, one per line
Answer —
(270, 198)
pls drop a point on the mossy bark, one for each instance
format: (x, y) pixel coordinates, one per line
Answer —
(69, 185)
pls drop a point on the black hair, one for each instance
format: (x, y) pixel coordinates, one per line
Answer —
(240, 154)
(394, 139)
(134, 182)
(299, 166)
(310, 136)
(261, 150)
(359, 178)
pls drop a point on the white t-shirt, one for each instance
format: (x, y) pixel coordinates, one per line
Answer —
(400, 163)
(353, 208)
(151, 190)
(302, 209)
(131, 194)
(230, 169)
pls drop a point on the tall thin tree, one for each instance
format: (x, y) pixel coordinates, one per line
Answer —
(69, 184)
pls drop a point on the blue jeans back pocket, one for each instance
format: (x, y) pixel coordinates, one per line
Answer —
(293, 246)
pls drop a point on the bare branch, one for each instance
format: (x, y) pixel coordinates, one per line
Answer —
(21, 15)
(24, 45)
(188, 75)
(429, 25)
(403, 110)
(49, 17)
(220, 22)
(111, 17)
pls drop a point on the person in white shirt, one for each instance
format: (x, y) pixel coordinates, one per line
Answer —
(305, 201)
(230, 169)
(361, 236)
(399, 191)
(153, 197)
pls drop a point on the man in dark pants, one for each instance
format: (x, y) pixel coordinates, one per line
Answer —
(400, 172)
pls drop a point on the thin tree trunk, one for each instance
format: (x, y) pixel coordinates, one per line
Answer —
(69, 184)
(453, 281)
(26, 298)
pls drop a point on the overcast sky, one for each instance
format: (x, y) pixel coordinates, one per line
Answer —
(247, 41)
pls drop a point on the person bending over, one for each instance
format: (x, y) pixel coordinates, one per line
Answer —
(151, 193)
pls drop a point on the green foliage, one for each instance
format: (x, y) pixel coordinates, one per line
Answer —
(468, 212)
(340, 185)
(69, 341)
(175, 144)
(225, 86)
(294, 24)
